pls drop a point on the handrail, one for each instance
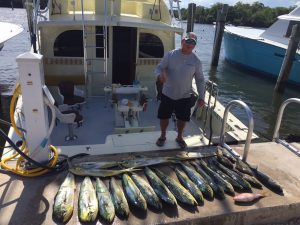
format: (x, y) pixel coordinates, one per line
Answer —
(278, 123)
(250, 124)
(279, 116)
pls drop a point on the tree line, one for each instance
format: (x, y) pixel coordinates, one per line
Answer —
(254, 15)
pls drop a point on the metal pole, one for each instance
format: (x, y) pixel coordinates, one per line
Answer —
(288, 60)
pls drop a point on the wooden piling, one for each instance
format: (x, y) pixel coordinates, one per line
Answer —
(191, 17)
(221, 18)
(288, 60)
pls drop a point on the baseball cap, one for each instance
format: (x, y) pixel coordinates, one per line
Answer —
(190, 38)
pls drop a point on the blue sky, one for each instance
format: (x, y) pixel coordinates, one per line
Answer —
(270, 3)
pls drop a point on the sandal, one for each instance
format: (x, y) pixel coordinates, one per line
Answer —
(160, 142)
(181, 143)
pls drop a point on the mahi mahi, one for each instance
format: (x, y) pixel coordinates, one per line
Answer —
(147, 191)
(188, 184)
(227, 187)
(87, 202)
(134, 195)
(97, 172)
(199, 181)
(64, 200)
(180, 193)
(106, 206)
(118, 198)
(218, 190)
(160, 188)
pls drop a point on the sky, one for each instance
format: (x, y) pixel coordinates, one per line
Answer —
(270, 3)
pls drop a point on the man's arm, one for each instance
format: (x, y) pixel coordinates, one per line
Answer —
(160, 69)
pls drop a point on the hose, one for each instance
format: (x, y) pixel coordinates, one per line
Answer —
(22, 152)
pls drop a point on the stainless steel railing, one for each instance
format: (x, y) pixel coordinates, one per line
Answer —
(278, 123)
(250, 127)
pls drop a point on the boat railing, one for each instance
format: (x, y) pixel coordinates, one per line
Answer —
(250, 128)
(278, 123)
(176, 21)
(212, 89)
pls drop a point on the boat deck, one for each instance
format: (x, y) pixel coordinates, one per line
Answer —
(99, 124)
(30, 200)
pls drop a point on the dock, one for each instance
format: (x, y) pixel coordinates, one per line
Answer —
(30, 200)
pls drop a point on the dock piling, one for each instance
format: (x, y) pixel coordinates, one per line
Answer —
(288, 59)
(221, 18)
(191, 17)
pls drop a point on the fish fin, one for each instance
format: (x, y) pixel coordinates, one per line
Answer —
(265, 193)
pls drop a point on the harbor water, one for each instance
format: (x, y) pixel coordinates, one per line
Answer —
(233, 83)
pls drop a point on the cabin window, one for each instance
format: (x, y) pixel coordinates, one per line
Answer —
(150, 46)
(290, 27)
(100, 43)
(69, 43)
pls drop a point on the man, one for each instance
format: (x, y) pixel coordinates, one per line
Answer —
(176, 71)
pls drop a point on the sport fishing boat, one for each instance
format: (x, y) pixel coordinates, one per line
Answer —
(263, 50)
(8, 31)
(87, 87)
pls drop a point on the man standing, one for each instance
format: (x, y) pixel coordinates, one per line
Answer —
(176, 71)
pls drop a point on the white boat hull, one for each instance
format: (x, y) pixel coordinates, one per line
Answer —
(8, 31)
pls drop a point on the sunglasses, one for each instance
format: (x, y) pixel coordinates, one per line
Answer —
(190, 42)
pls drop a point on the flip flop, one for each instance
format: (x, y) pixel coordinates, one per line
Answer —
(160, 142)
(181, 143)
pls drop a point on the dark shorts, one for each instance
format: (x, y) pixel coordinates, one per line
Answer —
(181, 108)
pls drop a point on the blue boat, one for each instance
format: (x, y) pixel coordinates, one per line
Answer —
(263, 51)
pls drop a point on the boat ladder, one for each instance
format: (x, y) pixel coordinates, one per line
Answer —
(95, 55)
(277, 126)
(176, 17)
(249, 133)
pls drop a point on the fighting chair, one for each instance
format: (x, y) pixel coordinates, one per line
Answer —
(69, 117)
(70, 95)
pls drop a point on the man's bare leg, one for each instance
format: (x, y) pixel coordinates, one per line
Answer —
(180, 127)
(163, 127)
(179, 139)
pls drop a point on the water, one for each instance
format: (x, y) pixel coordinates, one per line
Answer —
(12, 48)
(255, 91)
(233, 84)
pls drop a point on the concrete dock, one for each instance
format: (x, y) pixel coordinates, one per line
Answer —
(30, 200)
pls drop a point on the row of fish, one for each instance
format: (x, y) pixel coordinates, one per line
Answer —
(198, 179)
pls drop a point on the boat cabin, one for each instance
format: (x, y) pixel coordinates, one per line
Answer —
(97, 43)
